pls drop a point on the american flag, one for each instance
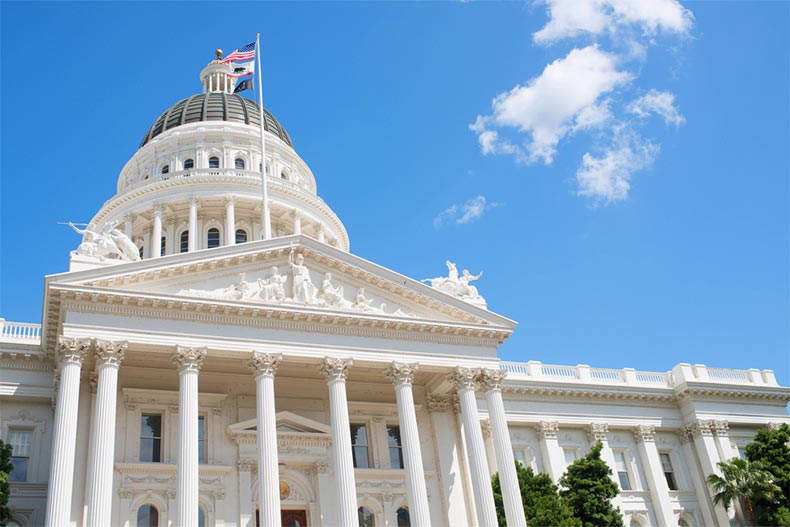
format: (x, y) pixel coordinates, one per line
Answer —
(243, 54)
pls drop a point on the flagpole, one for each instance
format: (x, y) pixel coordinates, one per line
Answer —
(265, 218)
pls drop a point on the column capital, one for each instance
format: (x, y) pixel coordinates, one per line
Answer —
(296, 213)
(230, 199)
(597, 432)
(319, 467)
(700, 427)
(264, 363)
(194, 201)
(128, 216)
(401, 373)
(335, 369)
(72, 350)
(189, 359)
(644, 433)
(158, 208)
(110, 352)
(492, 379)
(720, 427)
(438, 403)
(548, 429)
(464, 378)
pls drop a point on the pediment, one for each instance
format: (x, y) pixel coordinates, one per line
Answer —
(287, 423)
(292, 274)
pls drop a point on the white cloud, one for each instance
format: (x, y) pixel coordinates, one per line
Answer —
(562, 98)
(660, 103)
(572, 18)
(607, 178)
(468, 212)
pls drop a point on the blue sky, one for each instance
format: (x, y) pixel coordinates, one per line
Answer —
(626, 194)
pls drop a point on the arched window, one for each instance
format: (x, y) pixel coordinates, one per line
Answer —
(201, 517)
(184, 241)
(213, 238)
(283, 175)
(683, 523)
(165, 169)
(366, 517)
(163, 246)
(213, 162)
(239, 164)
(189, 163)
(147, 516)
(140, 250)
(403, 517)
(241, 236)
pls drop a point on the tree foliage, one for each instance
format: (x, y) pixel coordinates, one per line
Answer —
(770, 448)
(588, 489)
(543, 506)
(744, 480)
(5, 470)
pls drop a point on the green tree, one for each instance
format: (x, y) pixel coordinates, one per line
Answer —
(588, 490)
(744, 480)
(5, 469)
(770, 448)
(542, 504)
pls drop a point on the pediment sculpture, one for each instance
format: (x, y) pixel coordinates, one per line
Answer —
(458, 286)
(302, 291)
(107, 243)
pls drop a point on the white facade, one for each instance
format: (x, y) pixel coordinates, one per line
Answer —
(148, 382)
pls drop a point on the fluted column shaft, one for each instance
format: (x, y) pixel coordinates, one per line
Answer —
(156, 233)
(189, 361)
(402, 376)
(466, 380)
(230, 221)
(657, 483)
(109, 356)
(297, 222)
(265, 366)
(336, 371)
(70, 354)
(192, 236)
(511, 490)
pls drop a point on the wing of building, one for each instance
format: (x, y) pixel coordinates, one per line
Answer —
(192, 370)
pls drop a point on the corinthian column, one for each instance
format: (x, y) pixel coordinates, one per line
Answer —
(70, 354)
(336, 372)
(156, 232)
(230, 220)
(402, 376)
(511, 491)
(265, 365)
(192, 236)
(189, 361)
(109, 356)
(466, 381)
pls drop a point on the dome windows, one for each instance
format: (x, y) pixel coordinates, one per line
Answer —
(239, 164)
(212, 238)
(165, 169)
(241, 236)
(189, 164)
(283, 175)
(213, 162)
(184, 246)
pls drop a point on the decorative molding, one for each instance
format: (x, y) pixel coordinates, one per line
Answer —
(548, 429)
(320, 467)
(492, 379)
(110, 352)
(401, 373)
(335, 369)
(464, 378)
(701, 427)
(597, 432)
(644, 433)
(485, 426)
(720, 427)
(72, 350)
(247, 465)
(437, 403)
(264, 363)
(189, 359)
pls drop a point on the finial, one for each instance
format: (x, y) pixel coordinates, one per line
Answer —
(219, 54)
(257, 36)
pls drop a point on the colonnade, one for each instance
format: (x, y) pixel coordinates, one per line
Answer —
(71, 353)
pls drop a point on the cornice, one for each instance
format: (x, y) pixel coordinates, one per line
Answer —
(772, 393)
(588, 392)
(169, 469)
(10, 360)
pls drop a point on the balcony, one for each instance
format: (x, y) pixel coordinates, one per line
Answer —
(19, 332)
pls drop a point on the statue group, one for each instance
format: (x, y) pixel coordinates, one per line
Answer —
(107, 243)
(458, 286)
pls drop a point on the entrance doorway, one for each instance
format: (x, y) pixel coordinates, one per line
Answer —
(287, 518)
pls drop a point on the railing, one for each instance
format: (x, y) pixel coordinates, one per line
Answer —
(535, 370)
(217, 172)
(20, 332)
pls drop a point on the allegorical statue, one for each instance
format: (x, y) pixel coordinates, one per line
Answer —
(107, 243)
(272, 289)
(302, 287)
(331, 295)
(458, 287)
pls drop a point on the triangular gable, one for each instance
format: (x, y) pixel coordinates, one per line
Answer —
(288, 421)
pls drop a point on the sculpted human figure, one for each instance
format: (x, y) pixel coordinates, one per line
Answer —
(272, 289)
(124, 244)
(465, 289)
(303, 289)
(361, 302)
(98, 244)
(329, 294)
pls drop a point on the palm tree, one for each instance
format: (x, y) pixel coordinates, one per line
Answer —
(743, 480)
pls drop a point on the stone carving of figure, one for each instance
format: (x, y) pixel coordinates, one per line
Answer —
(458, 287)
(127, 246)
(272, 289)
(98, 245)
(238, 291)
(361, 302)
(331, 295)
(468, 292)
(303, 289)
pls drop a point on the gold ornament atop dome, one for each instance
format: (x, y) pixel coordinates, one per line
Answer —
(219, 53)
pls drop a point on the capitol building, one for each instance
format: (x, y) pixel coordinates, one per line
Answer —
(216, 356)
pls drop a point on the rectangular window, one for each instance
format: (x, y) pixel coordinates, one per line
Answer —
(151, 438)
(570, 455)
(201, 439)
(20, 453)
(395, 447)
(359, 446)
(669, 472)
(519, 456)
(621, 467)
